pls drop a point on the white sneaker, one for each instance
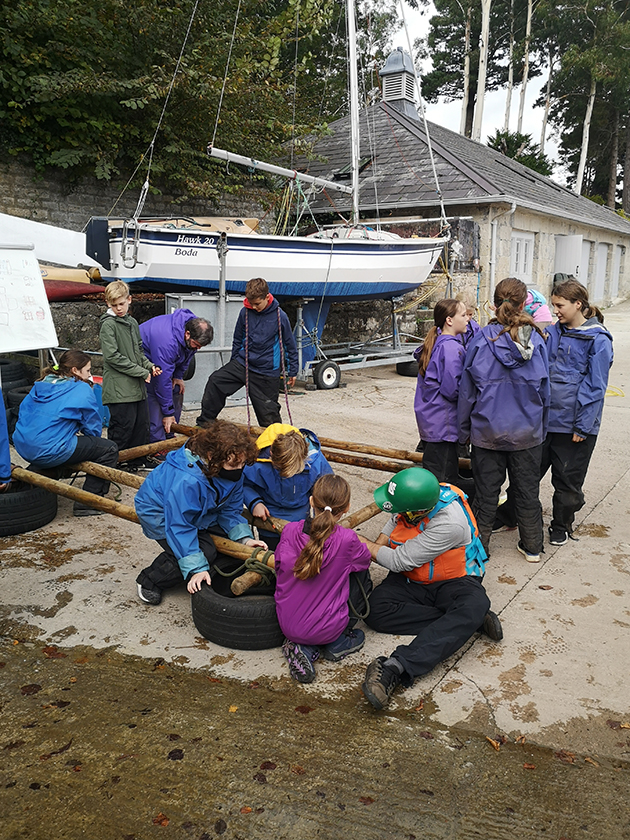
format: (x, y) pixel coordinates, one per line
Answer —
(531, 558)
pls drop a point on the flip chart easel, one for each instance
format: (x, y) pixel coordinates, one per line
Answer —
(25, 318)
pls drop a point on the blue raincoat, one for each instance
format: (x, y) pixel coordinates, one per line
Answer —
(177, 500)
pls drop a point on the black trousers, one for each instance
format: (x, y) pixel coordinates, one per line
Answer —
(569, 463)
(98, 450)
(129, 425)
(164, 572)
(523, 467)
(442, 459)
(442, 616)
(263, 392)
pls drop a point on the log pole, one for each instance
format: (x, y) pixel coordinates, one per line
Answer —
(361, 515)
(151, 448)
(109, 474)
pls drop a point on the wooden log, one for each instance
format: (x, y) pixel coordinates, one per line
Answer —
(248, 579)
(150, 448)
(361, 515)
(225, 546)
(110, 474)
(272, 523)
(362, 461)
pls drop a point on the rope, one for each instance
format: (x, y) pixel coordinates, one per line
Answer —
(366, 599)
(251, 564)
(227, 66)
(249, 416)
(282, 362)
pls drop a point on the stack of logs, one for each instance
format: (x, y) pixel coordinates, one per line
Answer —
(351, 453)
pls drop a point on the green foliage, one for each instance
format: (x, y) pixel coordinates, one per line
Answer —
(521, 147)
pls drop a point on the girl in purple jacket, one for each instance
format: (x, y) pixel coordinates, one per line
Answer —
(314, 590)
(440, 368)
(580, 356)
(503, 410)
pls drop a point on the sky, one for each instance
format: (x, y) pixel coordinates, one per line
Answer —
(448, 113)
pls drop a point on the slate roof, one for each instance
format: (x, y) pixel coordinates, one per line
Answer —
(468, 173)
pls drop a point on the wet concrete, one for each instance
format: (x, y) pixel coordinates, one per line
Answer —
(99, 745)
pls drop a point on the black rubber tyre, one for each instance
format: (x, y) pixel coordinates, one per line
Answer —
(25, 508)
(7, 387)
(407, 369)
(327, 375)
(190, 370)
(248, 622)
(16, 395)
(10, 370)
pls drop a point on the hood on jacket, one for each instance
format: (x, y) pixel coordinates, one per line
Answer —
(510, 353)
(272, 299)
(52, 389)
(589, 330)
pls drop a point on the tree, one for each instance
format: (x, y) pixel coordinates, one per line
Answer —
(521, 147)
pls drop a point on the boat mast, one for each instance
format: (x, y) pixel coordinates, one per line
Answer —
(354, 106)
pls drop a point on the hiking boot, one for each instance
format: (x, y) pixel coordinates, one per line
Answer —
(528, 555)
(153, 461)
(380, 682)
(149, 596)
(492, 626)
(300, 659)
(80, 509)
(558, 536)
(350, 642)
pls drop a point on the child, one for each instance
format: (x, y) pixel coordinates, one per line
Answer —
(280, 482)
(536, 306)
(580, 355)
(197, 489)
(125, 370)
(473, 327)
(263, 349)
(55, 410)
(439, 371)
(314, 560)
(503, 407)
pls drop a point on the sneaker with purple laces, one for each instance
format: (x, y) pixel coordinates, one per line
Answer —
(349, 642)
(300, 659)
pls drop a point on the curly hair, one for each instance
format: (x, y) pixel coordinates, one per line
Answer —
(220, 442)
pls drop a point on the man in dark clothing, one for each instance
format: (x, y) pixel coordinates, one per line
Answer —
(263, 349)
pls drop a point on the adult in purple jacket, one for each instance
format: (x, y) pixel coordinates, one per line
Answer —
(503, 409)
(440, 368)
(170, 342)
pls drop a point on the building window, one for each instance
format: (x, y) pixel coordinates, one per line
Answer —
(522, 255)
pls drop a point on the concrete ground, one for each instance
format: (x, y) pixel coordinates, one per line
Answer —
(559, 675)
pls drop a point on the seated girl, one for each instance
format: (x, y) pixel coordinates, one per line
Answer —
(197, 490)
(279, 483)
(60, 424)
(314, 587)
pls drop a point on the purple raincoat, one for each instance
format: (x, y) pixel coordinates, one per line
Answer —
(315, 611)
(504, 391)
(164, 344)
(471, 331)
(436, 392)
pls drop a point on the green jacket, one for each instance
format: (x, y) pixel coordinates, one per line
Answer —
(125, 366)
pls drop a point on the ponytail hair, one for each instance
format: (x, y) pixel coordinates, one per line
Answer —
(68, 360)
(575, 292)
(445, 308)
(330, 491)
(509, 298)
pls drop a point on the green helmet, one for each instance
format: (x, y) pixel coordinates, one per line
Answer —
(414, 489)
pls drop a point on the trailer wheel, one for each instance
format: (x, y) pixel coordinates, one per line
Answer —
(407, 369)
(25, 508)
(327, 375)
(247, 622)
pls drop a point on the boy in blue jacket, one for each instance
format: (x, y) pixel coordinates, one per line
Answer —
(263, 349)
(197, 490)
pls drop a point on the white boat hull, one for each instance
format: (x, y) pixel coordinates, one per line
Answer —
(294, 267)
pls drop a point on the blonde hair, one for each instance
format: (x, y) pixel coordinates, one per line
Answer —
(288, 454)
(329, 491)
(116, 290)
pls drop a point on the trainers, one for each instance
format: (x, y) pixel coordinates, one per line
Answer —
(300, 659)
(153, 461)
(492, 626)
(501, 526)
(350, 642)
(558, 536)
(531, 558)
(80, 509)
(380, 682)
(149, 596)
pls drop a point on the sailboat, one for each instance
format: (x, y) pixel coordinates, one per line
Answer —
(351, 262)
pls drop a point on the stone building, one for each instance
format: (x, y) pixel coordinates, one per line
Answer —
(514, 221)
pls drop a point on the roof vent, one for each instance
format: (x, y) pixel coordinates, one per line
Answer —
(399, 86)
